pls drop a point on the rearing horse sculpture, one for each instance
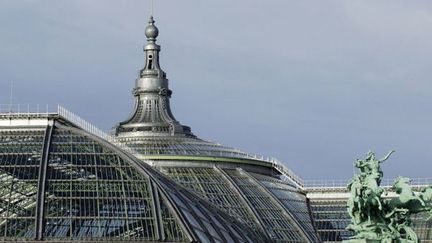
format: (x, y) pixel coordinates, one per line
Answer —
(375, 219)
(408, 199)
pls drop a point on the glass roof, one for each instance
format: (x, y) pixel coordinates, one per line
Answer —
(61, 183)
(264, 203)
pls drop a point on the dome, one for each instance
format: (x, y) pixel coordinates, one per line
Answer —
(258, 192)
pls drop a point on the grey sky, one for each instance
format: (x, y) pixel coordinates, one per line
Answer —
(313, 83)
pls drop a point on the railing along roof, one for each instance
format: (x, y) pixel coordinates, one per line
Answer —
(343, 183)
(42, 110)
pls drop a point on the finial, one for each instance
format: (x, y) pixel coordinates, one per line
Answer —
(151, 30)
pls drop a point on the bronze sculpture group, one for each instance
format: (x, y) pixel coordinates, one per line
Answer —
(375, 218)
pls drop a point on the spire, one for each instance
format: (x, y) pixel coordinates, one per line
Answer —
(152, 114)
(151, 50)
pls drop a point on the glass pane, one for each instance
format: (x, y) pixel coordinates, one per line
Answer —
(92, 193)
(20, 156)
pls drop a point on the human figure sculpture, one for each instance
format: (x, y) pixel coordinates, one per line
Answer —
(375, 219)
(355, 201)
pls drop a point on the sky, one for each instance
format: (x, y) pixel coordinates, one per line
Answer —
(315, 84)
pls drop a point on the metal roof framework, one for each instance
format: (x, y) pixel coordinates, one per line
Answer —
(61, 182)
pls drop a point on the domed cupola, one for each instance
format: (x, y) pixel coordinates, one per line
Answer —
(152, 114)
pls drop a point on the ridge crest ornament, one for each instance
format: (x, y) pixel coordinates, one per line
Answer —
(378, 219)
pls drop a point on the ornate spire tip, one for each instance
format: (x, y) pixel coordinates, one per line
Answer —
(151, 30)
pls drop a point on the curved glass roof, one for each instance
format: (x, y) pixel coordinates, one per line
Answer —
(264, 203)
(178, 145)
(172, 148)
(60, 183)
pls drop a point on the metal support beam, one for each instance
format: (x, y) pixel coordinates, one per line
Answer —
(40, 203)
(157, 211)
(244, 200)
(286, 212)
(312, 218)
